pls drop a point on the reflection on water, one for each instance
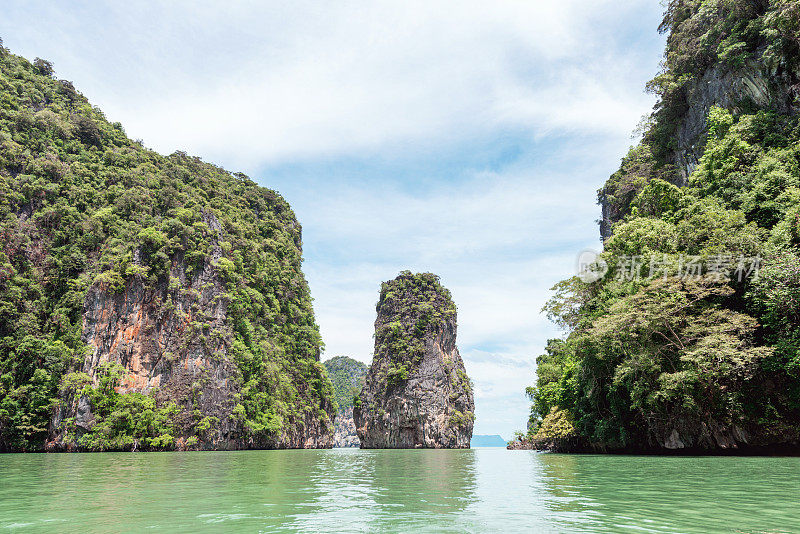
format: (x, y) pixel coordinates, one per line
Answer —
(398, 491)
(378, 490)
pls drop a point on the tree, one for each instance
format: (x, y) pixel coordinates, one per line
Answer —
(43, 67)
(678, 352)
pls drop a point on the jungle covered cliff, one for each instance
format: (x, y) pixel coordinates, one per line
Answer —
(688, 335)
(146, 301)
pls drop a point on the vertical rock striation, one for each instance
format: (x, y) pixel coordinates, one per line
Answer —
(417, 393)
(740, 56)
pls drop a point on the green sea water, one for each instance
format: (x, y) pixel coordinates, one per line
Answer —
(342, 490)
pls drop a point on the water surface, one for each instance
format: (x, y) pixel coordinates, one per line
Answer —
(348, 490)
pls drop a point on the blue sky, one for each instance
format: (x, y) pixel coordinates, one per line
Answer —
(466, 139)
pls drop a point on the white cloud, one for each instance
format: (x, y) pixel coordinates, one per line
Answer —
(264, 82)
(487, 239)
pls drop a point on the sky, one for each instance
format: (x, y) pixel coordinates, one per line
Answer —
(462, 138)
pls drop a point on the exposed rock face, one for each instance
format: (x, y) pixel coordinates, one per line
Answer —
(417, 393)
(344, 430)
(750, 84)
(678, 437)
(712, 435)
(154, 332)
(729, 88)
(173, 341)
(520, 445)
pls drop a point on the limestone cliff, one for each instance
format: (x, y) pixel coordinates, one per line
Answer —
(148, 301)
(658, 358)
(417, 393)
(173, 341)
(710, 60)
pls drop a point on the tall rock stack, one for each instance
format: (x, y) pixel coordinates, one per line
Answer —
(417, 393)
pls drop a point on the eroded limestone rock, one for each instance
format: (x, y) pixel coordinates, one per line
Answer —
(417, 393)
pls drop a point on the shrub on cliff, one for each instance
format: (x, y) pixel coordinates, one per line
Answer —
(410, 307)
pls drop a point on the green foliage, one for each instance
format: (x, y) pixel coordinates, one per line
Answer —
(556, 426)
(657, 199)
(120, 421)
(411, 308)
(777, 293)
(347, 376)
(556, 383)
(460, 419)
(82, 204)
(625, 185)
(675, 351)
(641, 354)
(643, 236)
(567, 306)
(751, 164)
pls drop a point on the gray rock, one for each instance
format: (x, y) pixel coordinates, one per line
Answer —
(750, 84)
(344, 430)
(84, 419)
(417, 397)
(173, 341)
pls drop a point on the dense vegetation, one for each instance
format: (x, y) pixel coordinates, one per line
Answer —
(685, 343)
(347, 376)
(82, 204)
(410, 308)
